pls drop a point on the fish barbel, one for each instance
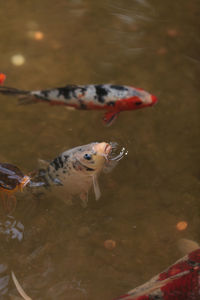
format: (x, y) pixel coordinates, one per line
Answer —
(181, 281)
(76, 170)
(109, 97)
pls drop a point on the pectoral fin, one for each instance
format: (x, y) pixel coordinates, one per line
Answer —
(96, 187)
(109, 117)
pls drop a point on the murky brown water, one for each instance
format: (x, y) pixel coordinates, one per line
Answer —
(56, 251)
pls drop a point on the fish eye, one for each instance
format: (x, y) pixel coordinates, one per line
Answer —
(88, 156)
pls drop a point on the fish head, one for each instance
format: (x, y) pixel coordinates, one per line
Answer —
(138, 98)
(91, 158)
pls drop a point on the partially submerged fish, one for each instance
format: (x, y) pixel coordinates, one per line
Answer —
(109, 97)
(76, 170)
(11, 180)
(181, 281)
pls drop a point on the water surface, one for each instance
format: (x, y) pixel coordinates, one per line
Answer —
(56, 251)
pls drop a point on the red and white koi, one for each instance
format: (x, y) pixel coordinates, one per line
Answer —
(181, 281)
(109, 97)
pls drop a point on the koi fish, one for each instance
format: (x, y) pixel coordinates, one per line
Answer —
(112, 98)
(2, 78)
(11, 181)
(181, 281)
(76, 170)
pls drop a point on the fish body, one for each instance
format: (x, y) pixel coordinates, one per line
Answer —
(112, 98)
(181, 281)
(75, 171)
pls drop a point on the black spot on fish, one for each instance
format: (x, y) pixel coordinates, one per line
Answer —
(193, 263)
(57, 163)
(119, 87)
(67, 91)
(60, 161)
(45, 94)
(83, 90)
(101, 93)
(111, 103)
(138, 103)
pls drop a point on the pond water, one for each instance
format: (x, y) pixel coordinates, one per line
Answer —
(57, 251)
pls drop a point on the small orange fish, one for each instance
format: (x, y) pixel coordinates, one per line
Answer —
(11, 181)
(2, 78)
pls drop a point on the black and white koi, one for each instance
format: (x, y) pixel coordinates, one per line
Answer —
(76, 170)
(109, 97)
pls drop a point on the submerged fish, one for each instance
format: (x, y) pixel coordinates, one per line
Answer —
(2, 78)
(181, 281)
(76, 170)
(11, 180)
(112, 98)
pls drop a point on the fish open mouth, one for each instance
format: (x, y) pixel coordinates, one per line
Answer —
(110, 151)
(113, 155)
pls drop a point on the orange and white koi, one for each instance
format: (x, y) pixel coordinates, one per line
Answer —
(109, 97)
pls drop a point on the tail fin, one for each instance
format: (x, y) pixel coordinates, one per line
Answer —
(12, 91)
(24, 96)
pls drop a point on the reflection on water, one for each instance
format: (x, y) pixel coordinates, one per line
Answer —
(56, 251)
(11, 229)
